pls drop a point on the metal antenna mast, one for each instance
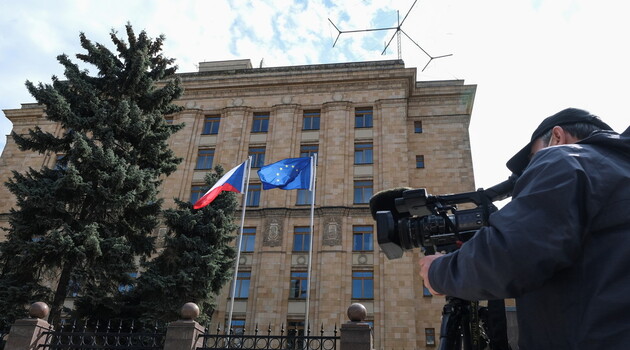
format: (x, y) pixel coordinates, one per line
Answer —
(397, 34)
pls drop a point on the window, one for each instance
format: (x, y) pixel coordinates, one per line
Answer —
(362, 285)
(74, 287)
(61, 163)
(419, 161)
(363, 153)
(425, 291)
(295, 331)
(237, 326)
(429, 334)
(258, 156)
(126, 288)
(301, 239)
(242, 285)
(304, 197)
(299, 285)
(205, 158)
(248, 239)
(261, 122)
(362, 238)
(196, 192)
(362, 191)
(417, 127)
(363, 118)
(253, 195)
(169, 120)
(311, 120)
(211, 125)
(308, 150)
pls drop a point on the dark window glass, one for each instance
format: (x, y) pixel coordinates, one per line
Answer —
(311, 120)
(363, 118)
(362, 238)
(242, 285)
(253, 195)
(196, 192)
(248, 239)
(417, 127)
(211, 125)
(429, 334)
(301, 239)
(238, 326)
(205, 158)
(308, 150)
(419, 161)
(362, 285)
(363, 153)
(362, 191)
(299, 285)
(258, 156)
(61, 162)
(261, 122)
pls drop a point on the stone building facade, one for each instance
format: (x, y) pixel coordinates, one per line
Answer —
(373, 127)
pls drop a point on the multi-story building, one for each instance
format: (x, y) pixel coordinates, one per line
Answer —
(373, 127)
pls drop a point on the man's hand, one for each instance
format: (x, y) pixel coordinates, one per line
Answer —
(425, 264)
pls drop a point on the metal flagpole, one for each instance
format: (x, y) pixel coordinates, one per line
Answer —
(240, 239)
(310, 245)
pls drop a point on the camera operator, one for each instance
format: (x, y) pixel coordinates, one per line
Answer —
(561, 247)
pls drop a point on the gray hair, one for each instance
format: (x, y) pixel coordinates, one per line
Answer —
(577, 130)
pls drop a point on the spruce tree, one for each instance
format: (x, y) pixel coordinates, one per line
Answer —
(85, 221)
(195, 264)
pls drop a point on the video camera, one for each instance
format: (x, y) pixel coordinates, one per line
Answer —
(411, 218)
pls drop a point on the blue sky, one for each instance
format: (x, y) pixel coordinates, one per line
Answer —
(529, 59)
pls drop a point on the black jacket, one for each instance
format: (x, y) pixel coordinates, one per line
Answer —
(561, 247)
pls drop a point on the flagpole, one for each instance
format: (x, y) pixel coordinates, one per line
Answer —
(238, 246)
(310, 245)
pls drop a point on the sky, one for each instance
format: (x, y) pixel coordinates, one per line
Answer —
(528, 59)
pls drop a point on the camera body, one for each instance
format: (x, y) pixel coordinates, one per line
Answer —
(434, 223)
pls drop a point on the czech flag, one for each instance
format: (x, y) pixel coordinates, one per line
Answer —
(232, 181)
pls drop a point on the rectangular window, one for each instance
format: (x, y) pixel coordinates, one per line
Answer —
(169, 120)
(429, 334)
(261, 122)
(363, 118)
(362, 191)
(308, 150)
(205, 158)
(419, 161)
(362, 285)
(253, 195)
(248, 240)
(303, 197)
(362, 238)
(363, 153)
(258, 156)
(311, 120)
(237, 326)
(417, 127)
(301, 239)
(61, 163)
(211, 125)
(425, 291)
(196, 192)
(242, 285)
(299, 284)
(126, 288)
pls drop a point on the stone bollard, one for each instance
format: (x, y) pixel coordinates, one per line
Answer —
(356, 334)
(184, 334)
(28, 333)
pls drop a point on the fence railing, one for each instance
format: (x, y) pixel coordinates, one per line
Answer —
(112, 334)
(291, 340)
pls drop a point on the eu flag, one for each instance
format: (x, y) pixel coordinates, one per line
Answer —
(287, 174)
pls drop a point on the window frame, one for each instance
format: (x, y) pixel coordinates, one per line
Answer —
(197, 191)
(366, 283)
(363, 118)
(363, 153)
(301, 285)
(417, 127)
(258, 156)
(260, 122)
(241, 277)
(420, 163)
(205, 157)
(310, 117)
(248, 240)
(253, 194)
(304, 233)
(363, 190)
(211, 124)
(366, 234)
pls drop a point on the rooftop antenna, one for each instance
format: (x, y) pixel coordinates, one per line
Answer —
(397, 34)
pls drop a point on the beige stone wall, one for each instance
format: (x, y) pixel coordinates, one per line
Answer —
(399, 311)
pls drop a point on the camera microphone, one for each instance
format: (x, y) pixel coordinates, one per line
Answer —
(386, 201)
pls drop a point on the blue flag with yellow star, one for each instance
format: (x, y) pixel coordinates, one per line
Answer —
(287, 174)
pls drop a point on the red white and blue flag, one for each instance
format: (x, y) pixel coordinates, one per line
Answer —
(232, 181)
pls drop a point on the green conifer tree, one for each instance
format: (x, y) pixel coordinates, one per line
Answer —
(85, 221)
(196, 262)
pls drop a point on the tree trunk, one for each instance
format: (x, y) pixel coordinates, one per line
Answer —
(60, 294)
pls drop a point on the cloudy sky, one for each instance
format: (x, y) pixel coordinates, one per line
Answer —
(529, 59)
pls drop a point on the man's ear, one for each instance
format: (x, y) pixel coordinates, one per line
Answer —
(559, 136)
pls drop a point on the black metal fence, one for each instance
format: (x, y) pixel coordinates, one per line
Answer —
(292, 340)
(118, 334)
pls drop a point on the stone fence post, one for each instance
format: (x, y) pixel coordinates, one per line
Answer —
(184, 334)
(28, 333)
(356, 334)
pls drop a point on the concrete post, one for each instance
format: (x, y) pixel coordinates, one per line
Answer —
(356, 334)
(28, 333)
(184, 334)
